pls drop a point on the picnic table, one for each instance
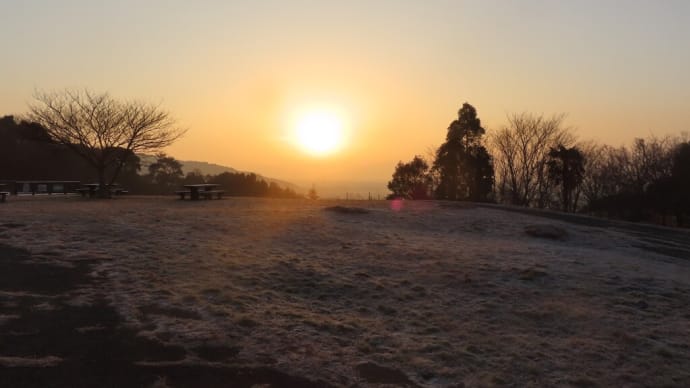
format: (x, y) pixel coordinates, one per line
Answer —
(3, 194)
(197, 191)
(91, 189)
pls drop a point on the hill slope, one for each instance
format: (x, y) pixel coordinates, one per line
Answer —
(215, 169)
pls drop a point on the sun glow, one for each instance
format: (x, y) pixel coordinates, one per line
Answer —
(319, 132)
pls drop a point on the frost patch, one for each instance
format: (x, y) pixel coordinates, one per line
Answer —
(34, 362)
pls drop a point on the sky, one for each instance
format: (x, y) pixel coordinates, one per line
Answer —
(239, 74)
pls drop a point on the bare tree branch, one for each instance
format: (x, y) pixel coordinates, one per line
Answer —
(100, 129)
(520, 152)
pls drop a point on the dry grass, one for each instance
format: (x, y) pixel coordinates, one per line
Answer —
(428, 295)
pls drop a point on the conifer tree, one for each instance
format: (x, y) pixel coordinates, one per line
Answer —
(464, 165)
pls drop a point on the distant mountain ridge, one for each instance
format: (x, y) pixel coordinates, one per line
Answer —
(215, 169)
(206, 168)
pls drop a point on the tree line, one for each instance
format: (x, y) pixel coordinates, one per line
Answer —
(28, 152)
(86, 136)
(535, 161)
(165, 175)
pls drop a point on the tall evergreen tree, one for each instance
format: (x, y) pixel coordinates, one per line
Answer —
(464, 165)
(566, 169)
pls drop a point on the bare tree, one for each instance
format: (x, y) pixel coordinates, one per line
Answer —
(625, 181)
(434, 176)
(521, 151)
(102, 130)
(598, 180)
(651, 159)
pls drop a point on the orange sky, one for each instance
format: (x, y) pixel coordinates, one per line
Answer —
(235, 74)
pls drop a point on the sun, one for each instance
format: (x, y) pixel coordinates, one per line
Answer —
(319, 132)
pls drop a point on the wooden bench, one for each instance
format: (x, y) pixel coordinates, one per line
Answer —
(3, 195)
(208, 194)
(118, 191)
(182, 193)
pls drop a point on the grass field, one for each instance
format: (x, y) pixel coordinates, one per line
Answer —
(153, 291)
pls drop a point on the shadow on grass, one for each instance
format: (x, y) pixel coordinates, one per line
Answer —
(87, 345)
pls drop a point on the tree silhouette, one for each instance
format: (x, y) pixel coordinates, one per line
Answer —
(481, 163)
(680, 174)
(410, 180)
(165, 173)
(671, 194)
(521, 152)
(194, 177)
(102, 130)
(312, 193)
(464, 166)
(566, 170)
(27, 153)
(649, 160)
(601, 176)
(250, 185)
(636, 183)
